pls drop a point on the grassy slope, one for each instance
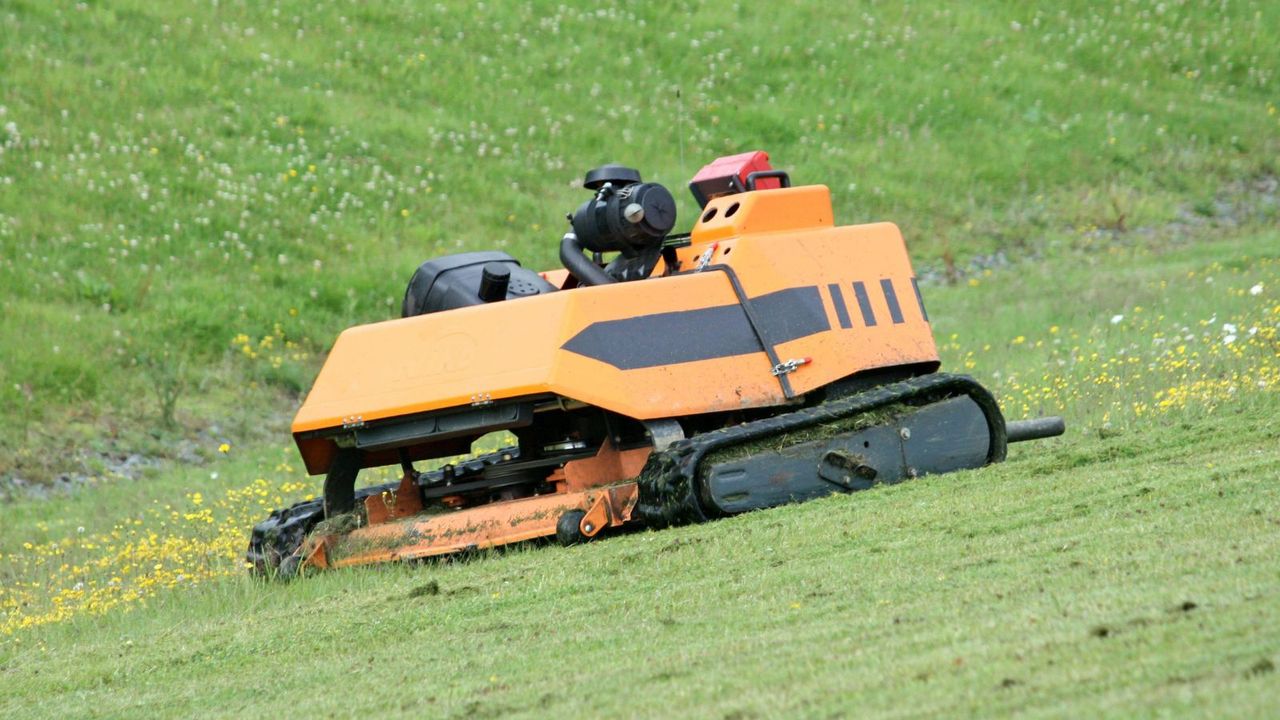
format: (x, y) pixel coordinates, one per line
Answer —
(1053, 584)
(1127, 569)
(977, 128)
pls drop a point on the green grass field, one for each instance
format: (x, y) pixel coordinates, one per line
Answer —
(195, 198)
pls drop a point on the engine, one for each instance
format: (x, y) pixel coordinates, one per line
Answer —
(625, 215)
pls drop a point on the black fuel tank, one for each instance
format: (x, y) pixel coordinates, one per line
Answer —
(455, 281)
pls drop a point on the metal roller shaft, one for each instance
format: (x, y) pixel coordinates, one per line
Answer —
(1035, 429)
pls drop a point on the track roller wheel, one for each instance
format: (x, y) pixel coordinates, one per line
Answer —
(569, 528)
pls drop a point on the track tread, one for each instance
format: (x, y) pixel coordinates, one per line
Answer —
(668, 483)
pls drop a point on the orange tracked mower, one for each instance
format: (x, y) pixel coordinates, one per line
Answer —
(767, 357)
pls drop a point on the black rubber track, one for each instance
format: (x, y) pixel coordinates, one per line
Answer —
(668, 483)
(277, 538)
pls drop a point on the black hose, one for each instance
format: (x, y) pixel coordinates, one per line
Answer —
(587, 272)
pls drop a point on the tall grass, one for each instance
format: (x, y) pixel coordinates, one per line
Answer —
(174, 176)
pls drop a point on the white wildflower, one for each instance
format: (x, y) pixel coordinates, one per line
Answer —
(1115, 319)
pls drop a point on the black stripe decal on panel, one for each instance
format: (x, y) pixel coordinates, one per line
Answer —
(702, 334)
(842, 312)
(864, 303)
(891, 297)
(920, 299)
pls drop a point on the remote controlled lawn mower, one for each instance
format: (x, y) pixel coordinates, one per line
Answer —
(767, 357)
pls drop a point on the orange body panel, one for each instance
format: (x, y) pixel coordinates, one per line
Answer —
(840, 300)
